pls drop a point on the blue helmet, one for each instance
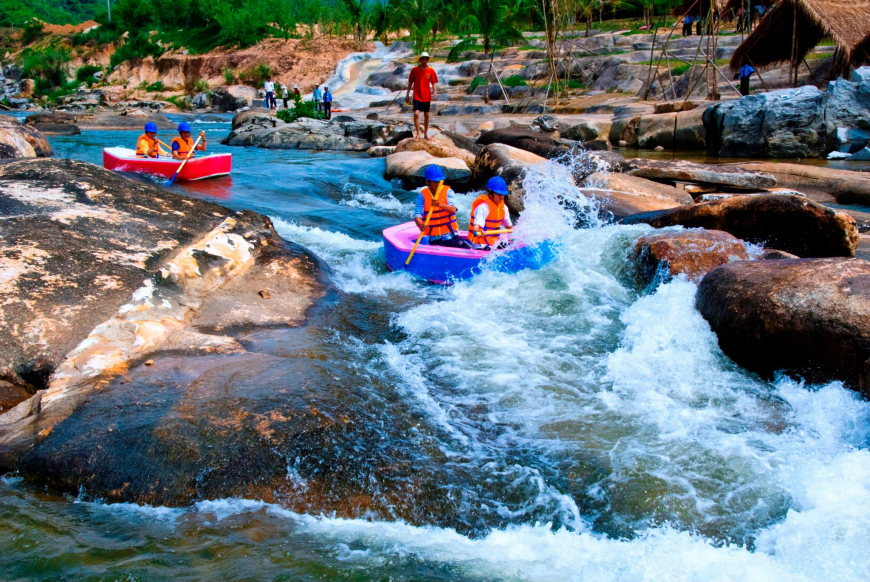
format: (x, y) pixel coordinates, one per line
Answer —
(497, 185)
(184, 126)
(435, 173)
(151, 126)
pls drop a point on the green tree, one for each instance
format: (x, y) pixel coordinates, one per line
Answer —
(382, 18)
(493, 20)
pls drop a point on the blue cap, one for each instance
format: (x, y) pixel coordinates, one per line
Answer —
(151, 126)
(435, 173)
(497, 185)
(184, 126)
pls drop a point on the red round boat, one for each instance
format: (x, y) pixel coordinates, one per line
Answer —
(197, 168)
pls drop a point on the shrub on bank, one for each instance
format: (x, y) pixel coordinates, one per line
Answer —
(300, 109)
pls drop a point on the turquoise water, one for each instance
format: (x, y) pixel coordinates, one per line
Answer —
(580, 429)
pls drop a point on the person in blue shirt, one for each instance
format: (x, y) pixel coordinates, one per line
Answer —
(745, 72)
(327, 102)
(317, 96)
(436, 201)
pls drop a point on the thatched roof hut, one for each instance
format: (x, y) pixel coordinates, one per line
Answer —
(846, 22)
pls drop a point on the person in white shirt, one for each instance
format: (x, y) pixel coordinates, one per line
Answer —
(269, 88)
(488, 213)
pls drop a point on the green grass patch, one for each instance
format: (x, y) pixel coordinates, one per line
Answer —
(515, 81)
(155, 87)
(681, 70)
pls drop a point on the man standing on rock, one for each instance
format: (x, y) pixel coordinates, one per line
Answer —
(285, 96)
(269, 88)
(745, 72)
(327, 102)
(423, 80)
(442, 229)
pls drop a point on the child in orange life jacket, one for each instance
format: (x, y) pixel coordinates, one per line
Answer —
(443, 229)
(148, 144)
(488, 213)
(182, 145)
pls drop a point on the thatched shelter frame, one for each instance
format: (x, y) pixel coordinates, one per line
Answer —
(774, 40)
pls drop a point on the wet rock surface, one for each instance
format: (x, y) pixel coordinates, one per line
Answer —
(439, 148)
(692, 253)
(622, 195)
(57, 123)
(789, 223)
(18, 140)
(681, 170)
(524, 138)
(101, 271)
(820, 183)
(807, 317)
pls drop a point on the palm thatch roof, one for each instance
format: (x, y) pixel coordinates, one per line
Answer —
(846, 22)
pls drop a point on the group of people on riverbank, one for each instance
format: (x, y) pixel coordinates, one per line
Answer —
(322, 99)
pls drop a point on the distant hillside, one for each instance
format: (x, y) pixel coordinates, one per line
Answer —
(15, 12)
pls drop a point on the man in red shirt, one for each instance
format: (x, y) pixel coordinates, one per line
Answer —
(421, 78)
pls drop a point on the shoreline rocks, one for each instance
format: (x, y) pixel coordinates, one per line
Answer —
(105, 271)
(254, 128)
(18, 140)
(623, 195)
(806, 317)
(685, 171)
(661, 256)
(788, 223)
(410, 166)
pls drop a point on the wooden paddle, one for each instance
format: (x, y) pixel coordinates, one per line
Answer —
(189, 155)
(425, 224)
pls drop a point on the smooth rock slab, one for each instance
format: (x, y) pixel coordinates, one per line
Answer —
(692, 253)
(524, 138)
(821, 183)
(18, 140)
(792, 224)
(684, 171)
(809, 318)
(411, 166)
(622, 195)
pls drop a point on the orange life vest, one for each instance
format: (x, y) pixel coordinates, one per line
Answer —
(494, 221)
(441, 221)
(184, 146)
(147, 146)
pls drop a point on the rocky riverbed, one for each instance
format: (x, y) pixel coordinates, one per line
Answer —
(198, 369)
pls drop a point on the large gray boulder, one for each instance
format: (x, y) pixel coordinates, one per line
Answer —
(806, 317)
(788, 223)
(790, 123)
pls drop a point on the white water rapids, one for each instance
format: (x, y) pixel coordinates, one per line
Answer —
(662, 459)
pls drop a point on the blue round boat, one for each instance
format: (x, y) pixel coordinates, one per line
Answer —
(445, 265)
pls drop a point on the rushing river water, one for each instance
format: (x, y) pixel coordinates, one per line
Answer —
(581, 429)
